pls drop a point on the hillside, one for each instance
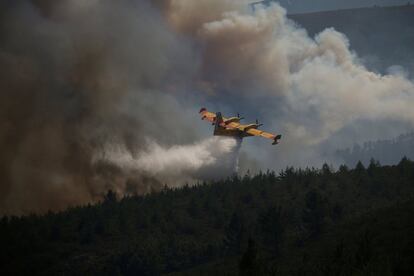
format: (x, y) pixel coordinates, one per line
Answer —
(377, 243)
(296, 6)
(381, 36)
(386, 151)
(289, 223)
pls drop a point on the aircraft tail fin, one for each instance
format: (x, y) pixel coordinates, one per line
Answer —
(218, 121)
(219, 118)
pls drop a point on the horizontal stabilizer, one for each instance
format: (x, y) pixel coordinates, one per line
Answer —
(276, 140)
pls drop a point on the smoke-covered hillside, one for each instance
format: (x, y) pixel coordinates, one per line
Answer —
(386, 151)
(302, 6)
(381, 36)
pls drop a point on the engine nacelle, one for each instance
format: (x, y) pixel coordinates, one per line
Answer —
(233, 120)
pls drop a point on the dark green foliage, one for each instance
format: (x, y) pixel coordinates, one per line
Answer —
(364, 251)
(249, 265)
(234, 234)
(110, 197)
(307, 221)
(272, 229)
(359, 169)
(314, 213)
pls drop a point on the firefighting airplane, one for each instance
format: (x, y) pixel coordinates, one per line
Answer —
(232, 127)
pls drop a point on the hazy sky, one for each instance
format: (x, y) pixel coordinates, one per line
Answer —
(298, 6)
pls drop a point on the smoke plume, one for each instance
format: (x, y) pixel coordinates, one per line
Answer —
(99, 95)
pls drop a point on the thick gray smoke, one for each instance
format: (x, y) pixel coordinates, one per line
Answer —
(99, 95)
(79, 77)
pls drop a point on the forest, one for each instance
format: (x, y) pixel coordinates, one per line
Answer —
(386, 151)
(310, 221)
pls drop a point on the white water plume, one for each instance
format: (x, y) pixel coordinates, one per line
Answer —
(212, 158)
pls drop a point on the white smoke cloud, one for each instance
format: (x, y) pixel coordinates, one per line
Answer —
(313, 88)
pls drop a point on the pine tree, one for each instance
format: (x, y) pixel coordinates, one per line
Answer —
(249, 262)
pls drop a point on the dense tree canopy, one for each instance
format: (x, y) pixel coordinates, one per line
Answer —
(349, 221)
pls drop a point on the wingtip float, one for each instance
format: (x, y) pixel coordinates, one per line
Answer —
(232, 127)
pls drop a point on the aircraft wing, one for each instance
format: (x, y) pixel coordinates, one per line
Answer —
(233, 125)
(257, 132)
